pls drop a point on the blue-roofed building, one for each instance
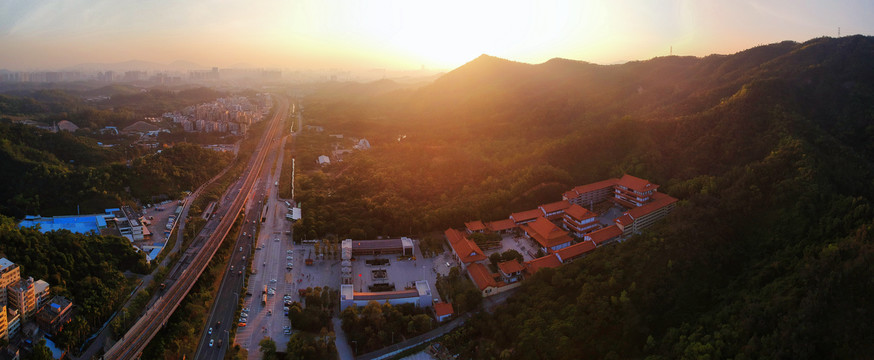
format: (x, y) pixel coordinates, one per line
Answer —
(82, 224)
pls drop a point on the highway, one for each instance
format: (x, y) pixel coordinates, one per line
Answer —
(222, 314)
(196, 258)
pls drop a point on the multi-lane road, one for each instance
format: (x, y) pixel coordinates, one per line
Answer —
(215, 337)
(195, 259)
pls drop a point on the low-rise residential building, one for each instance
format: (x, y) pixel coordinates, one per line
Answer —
(476, 226)
(57, 313)
(10, 274)
(22, 297)
(4, 333)
(443, 311)
(502, 226)
(550, 237)
(548, 261)
(13, 322)
(483, 279)
(511, 271)
(524, 217)
(465, 250)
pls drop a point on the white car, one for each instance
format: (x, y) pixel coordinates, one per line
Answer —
(210, 342)
(288, 257)
(209, 331)
(288, 252)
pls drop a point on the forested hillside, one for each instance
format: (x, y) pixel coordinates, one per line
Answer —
(770, 151)
(52, 173)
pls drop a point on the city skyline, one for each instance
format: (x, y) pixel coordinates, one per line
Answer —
(401, 35)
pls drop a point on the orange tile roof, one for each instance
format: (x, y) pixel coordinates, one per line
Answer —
(636, 183)
(468, 251)
(592, 187)
(578, 213)
(602, 235)
(526, 215)
(546, 233)
(624, 220)
(548, 261)
(659, 200)
(509, 267)
(443, 309)
(501, 225)
(553, 207)
(481, 276)
(575, 250)
(475, 225)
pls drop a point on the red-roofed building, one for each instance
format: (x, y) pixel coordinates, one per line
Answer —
(443, 311)
(465, 251)
(579, 221)
(586, 195)
(475, 226)
(548, 261)
(483, 279)
(502, 226)
(511, 271)
(525, 216)
(604, 235)
(545, 233)
(639, 218)
(632, 191)
(554, 210)
(575, 251)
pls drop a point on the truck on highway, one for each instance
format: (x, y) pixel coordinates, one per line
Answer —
(265, 290)
(263, 299)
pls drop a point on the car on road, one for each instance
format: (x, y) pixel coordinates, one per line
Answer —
(288, 266)
(245, 309)
(241, 248)
(273, 281)
(289, 257)
(269, 312)
(209, 331)
(289, 252)
(210, 342)
(241, 324)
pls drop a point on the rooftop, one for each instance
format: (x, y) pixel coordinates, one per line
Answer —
(578, 212)
(603, 235)
(74, 223)
(481, 276)
(475, 225)
(556, 206)
(4, 263)
(468, 251)
(592, 187)
(548, 261)
(443, 309)
(575, 250)
(501, 225)
(546, 233)
(636, 183)
(509, 267)
(659, 200)
(526, 215)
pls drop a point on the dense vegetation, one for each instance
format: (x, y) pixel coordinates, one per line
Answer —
(85, 268)
(379, 325)
(770, 151)
(53, 173)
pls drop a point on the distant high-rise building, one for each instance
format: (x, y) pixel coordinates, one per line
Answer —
(23, 297)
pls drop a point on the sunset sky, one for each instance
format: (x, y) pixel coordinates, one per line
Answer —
(402, 34)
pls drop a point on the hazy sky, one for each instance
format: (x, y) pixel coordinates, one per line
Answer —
(403, 34)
